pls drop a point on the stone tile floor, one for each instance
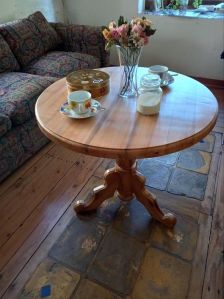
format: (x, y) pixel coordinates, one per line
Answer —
(184, 173)
(120, 251)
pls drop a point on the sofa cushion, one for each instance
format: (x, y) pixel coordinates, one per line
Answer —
(23, 39)
(85, 39)
(5, 124)
(49, 36)
(19, 92)
(59, 63)
(18, 145)
(8, 61)
(29, 38)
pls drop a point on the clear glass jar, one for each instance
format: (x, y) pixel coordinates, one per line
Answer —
(149, 94)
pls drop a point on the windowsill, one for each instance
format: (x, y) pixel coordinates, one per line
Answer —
(186, 14)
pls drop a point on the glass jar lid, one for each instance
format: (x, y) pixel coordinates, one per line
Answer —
(150, 82)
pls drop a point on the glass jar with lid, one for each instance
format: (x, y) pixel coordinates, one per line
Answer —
(149, 94)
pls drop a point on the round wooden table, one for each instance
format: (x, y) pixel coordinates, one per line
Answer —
(188, 113)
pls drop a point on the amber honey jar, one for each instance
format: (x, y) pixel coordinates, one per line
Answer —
(95, 81)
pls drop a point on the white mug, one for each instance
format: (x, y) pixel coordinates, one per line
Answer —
(80, 101)
(160, 70)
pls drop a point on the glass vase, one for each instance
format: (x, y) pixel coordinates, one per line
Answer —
(128, 59)
(183, 6)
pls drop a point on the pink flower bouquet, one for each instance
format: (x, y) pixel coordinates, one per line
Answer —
(134, 34)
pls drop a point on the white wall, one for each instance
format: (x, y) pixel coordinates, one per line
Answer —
(14, 9)
(99, 12)
(189, 46)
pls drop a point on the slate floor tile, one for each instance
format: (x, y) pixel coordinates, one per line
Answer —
(170, 159)
(108, 210)
(59, 280)
(188, 183)
(117, 262)
(162, 276)
(77, 245)
(198, 161)
(206, 144)
(134, 220)
(90, 290)
(180, 241)
(139, 162)
(157, 174)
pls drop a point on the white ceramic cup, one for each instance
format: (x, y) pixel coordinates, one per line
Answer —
(160, 70)
(80, 101)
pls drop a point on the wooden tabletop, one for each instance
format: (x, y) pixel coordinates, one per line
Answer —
(188, 113)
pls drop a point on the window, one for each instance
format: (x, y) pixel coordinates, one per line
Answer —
(150, 5)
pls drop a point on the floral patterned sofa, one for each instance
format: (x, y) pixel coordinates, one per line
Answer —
(33, 55)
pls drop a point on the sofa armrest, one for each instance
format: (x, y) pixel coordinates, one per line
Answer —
(84, 39)
(5, 124)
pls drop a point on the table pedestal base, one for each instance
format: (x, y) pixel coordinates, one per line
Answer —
(128, 182)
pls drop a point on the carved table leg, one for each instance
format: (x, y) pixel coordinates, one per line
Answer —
(100, 193)
(126, 168)
(149, 201)
(128, 182)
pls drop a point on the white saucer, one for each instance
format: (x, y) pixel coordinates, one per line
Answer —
(93, 110)
(169, 80)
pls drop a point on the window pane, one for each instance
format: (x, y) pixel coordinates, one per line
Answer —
(151, 4)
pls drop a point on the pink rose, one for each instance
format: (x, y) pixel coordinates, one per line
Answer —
(115, 34)
(123, 30)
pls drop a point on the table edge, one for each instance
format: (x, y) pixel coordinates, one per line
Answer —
(130, 153)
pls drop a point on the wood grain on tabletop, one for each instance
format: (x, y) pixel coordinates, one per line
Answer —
(188, 112)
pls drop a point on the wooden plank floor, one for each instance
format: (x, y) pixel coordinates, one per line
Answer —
(36, 205)
(33, 202)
